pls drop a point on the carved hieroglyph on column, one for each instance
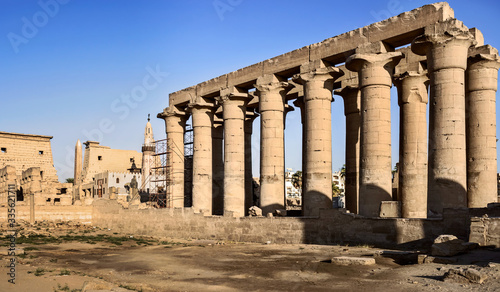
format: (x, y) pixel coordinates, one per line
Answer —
(482, 75)
(318, 86)
(175, 124)
(412, 100)
(352, 103)
(446, 46)
(272, 94)
(217, 167)
(375, 81)
(234, 110)
(202, 113)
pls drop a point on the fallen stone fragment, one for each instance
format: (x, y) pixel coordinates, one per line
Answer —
(280, 213)
(254, 211)
(448, 245)
(348, 261)
(465, 276)
(427, 259)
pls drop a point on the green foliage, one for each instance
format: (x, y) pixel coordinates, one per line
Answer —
(297, 180)
(39, 272)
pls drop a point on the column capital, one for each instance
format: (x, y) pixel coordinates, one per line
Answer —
(172, 111)
(270, 83)
(251, 115)
(201, 103)
(374, 69)
(443, 33)
(360, 62)
(352, 99)
(412, 87)
(299, 102)
(483, 57)
(232, 93)
(482, 70)
(308, 73)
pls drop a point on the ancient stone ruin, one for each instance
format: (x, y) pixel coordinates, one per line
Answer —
(430, 57)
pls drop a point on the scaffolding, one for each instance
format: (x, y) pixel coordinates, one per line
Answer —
(159, 177)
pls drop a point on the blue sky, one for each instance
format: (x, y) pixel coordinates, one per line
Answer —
(68, 71)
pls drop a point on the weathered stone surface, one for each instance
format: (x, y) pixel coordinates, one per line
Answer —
(427, 259)
(448, 245)
(350, 261)
(465, 276)
(390, 209)
(254, 211)
(280, 212)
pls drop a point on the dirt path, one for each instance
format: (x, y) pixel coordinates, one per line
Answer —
(107, 261)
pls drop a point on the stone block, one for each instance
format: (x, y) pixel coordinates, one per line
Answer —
(353, 261)
(254, 211)
(448, 245)
(390, 209)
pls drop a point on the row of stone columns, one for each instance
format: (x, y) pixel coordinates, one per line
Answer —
(457, 168)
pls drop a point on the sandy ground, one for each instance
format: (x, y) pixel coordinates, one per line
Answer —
(100, 263)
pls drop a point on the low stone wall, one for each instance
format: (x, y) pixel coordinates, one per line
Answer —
(82, 214)
(332, 227)
(485, 231)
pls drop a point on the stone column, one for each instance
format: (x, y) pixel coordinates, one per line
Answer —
(299, 102)
(446, 46)
(412, 100)
(249, 118)
(318, 86)
(175, 123)
(217, 167)
(481, 86)
(234, 109)
(202, 113)
(272, 93)
(352, 104)
(375, 81)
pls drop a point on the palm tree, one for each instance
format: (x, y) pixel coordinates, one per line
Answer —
(297, 180)
(70, 180)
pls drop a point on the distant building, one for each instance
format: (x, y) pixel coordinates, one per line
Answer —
(26, 161)
(339, 181)
(293, 194)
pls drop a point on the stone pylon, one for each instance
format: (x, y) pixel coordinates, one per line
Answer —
(412, 100)
(481, 87)
(446, 45)
(317, 80)
(375, 66)
(234, 109)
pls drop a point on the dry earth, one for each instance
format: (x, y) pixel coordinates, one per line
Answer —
(62, 257)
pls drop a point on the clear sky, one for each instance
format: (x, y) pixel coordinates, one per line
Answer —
(69, 67)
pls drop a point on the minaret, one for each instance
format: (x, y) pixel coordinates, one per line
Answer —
(78, 163)
(148, 151)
